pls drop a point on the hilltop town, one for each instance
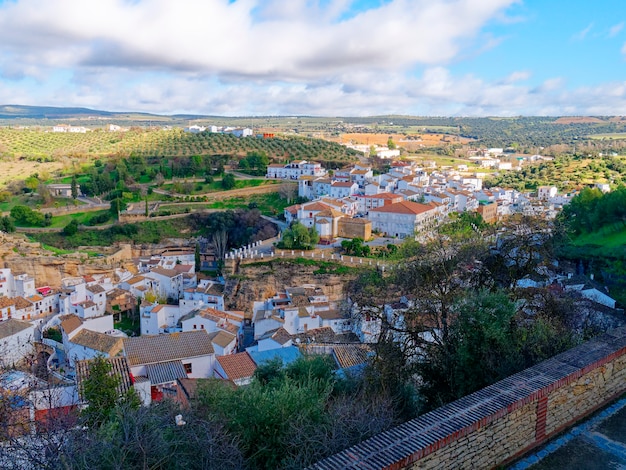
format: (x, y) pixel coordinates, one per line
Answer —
(169, 318)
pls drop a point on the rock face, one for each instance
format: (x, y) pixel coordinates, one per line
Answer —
(262, 280)
(47, 268)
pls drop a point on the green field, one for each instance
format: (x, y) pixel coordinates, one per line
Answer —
(615, 136)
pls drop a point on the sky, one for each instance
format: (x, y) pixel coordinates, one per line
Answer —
(317, 57)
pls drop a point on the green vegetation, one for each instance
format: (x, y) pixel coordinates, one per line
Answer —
(299, 237)
(291, 416)
(355, 247)
(565, 172)
(37, 145)
(53, 334)
(101, 391)
(25, 216)
(467, 324)
(144, 232)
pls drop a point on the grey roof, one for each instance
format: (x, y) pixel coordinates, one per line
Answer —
(12, 326)
(163, 348)
(119, 368)
(165, 372)
(97, 341)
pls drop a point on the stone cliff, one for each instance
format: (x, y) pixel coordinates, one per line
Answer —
(48, 268)
(260, 281)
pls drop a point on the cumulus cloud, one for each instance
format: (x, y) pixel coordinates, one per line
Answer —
(245, 57)
(290, 40)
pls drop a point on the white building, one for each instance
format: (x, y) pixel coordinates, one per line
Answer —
(294, 170)
(169, 283)
(16, 341)
(158, 361)
(406, 218)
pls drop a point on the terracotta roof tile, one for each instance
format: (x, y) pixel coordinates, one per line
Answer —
(405, 207)
(237, 366)
(222, 338)
(70, 322)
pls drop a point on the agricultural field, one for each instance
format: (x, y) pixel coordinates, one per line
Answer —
(26, 151)
(405, 140)
(615, 136)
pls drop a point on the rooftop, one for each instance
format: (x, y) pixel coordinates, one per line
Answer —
(12, 326)
(163, 348)
(101, 342)
(237, 366)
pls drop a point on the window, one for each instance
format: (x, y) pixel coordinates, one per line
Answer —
(187, 368)
(194, 327)
(202, 327)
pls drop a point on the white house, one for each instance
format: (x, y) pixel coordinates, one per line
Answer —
(169, 282)
(546, 192)
(274, 339)
(404, 219)
(223, 342)
(88, 344)
(294, 170)
(158, 361)
(339, 189)
(16, 341)
(207, 294)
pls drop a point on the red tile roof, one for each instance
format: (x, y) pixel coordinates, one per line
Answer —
(405, 207)
(237, 366)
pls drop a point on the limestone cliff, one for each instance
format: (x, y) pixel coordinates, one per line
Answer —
(48, 268)
(263, 280)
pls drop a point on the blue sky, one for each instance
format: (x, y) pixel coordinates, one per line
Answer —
(317, 57)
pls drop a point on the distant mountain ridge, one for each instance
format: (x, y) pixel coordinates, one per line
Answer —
(13, 111)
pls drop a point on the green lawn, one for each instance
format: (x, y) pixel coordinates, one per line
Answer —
(270, 204)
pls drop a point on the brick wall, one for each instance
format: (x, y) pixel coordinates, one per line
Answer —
(498, 424)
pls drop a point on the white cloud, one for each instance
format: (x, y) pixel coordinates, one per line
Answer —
(271, 57)
(616, 29)
(517, 76)
(581, 35)
(285, 40)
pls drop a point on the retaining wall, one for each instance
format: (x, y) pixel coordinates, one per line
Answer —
(498, 424)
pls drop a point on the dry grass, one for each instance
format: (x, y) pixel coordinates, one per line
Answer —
(402, 140)
(15, 169)
(578, 120)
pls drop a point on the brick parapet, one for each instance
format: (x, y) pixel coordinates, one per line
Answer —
(499, 423)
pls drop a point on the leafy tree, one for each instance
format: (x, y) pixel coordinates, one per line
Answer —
(71, 228)
(355, 247)
(74, 187)
(299, 237)
(32, 183)
(6, 224)
(26, 215)
(100, 391)
(228, 181)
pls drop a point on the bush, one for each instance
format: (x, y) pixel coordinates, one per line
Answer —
(99, 219)
(71, 228)
(228, 181)
(26, 215)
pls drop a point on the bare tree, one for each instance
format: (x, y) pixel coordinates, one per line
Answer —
(288, 191)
